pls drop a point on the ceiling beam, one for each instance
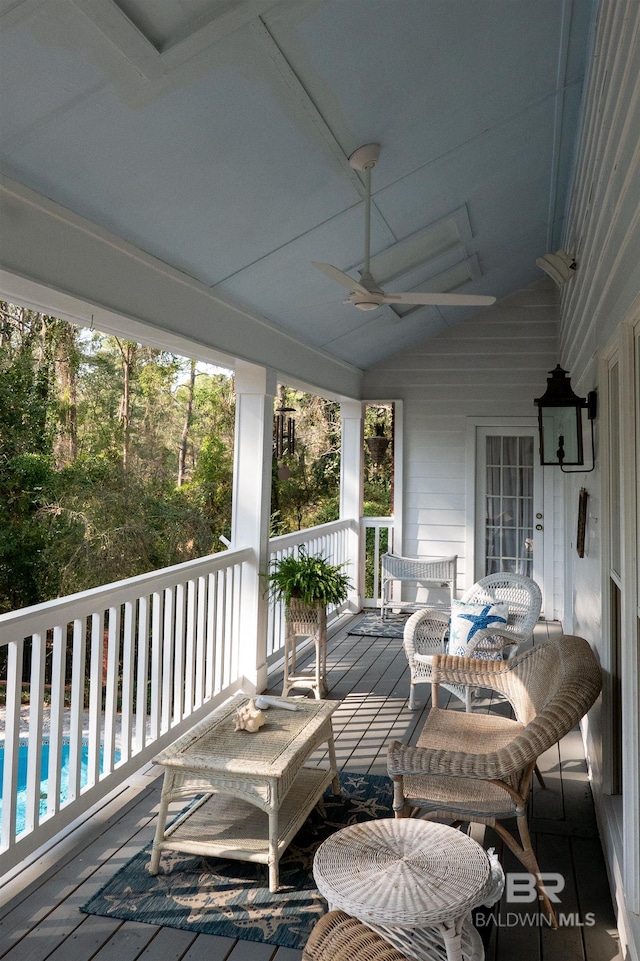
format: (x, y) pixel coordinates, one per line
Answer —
(303, 104)
(210, 29)
(123, 34)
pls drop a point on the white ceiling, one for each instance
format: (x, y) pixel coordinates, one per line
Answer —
(214, 135)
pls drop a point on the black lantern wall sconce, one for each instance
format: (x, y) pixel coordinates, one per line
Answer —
(560, 422)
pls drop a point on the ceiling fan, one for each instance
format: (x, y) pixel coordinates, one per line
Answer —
(365, 293)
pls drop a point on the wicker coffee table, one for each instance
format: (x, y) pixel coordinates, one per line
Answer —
(414, 882)
(244, 776)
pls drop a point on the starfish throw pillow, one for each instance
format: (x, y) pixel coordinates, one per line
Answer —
(468, 619)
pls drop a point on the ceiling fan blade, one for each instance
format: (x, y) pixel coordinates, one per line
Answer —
(340, 277)
(439, 300)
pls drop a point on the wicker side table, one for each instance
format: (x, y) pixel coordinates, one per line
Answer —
(414, 882)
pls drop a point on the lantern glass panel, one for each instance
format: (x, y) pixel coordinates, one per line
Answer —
(561, 427)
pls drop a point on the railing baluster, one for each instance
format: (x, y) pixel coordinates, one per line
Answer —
(178, 667)
(235, 576)
(128, 674)
(34, 751)
(12, 740)
(143, 666)
(211, 636)
(218, 615)
(56, 718)
(167, 659)
(156, 665)
(224, 606)
(376, 562)
(95, 697)
(200, 586)
(189, 653)
(111, 692)
(78, 655)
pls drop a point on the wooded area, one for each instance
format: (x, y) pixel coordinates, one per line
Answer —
(116, 459)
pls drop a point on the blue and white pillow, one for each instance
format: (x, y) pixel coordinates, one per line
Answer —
(468, 619)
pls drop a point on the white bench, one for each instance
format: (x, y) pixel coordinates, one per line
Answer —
(438, 572)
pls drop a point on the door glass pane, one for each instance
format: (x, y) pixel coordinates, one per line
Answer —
(525, 446)
(509, 505)
(493, 510)
(509, 511)
(510, 450)
(493, 481)
(526, 480)
(510, 480)
(494, 447)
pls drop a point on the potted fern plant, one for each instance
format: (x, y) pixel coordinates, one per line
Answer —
(309, 578)
(306, 583)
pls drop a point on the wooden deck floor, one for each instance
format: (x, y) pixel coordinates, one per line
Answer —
(39, 909)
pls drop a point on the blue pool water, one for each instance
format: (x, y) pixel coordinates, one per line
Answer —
(44, 777)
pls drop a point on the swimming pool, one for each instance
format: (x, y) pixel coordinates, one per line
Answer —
(23, 754)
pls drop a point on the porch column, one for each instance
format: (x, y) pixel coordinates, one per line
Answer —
(351, 489)
(255, 389)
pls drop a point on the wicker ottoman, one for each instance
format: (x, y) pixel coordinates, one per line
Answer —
(414, 882)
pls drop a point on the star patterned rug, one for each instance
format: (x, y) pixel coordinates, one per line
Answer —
(232, 898)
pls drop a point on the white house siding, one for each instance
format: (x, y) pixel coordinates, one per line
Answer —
(600, 315)
(490, 366)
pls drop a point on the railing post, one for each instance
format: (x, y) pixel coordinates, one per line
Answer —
(255, 389)
(351, 489)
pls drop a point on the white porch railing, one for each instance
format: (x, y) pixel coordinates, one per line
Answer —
(376, 537)
(124, 668)
(97, 683)
(332, 541)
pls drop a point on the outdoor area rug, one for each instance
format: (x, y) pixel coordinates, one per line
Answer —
(372, 625)
(232, 898)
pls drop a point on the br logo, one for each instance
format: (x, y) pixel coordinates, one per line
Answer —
(521, 888)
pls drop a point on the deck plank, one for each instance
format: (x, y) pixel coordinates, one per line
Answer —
(600, 937)
(41, 921)
(93, 864)
(128, 942)
(208, 947)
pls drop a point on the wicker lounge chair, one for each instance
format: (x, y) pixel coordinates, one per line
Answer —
(339, 937)
(424, 632)
(478, 767)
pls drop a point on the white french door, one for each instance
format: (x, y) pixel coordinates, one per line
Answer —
(509, 533)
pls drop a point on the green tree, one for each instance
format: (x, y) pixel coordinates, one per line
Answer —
(27, 343)
(117, 458)
(305, 487)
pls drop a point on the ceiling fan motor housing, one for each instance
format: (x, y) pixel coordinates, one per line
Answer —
(360, 299)
(362, 302)
(365, 157)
